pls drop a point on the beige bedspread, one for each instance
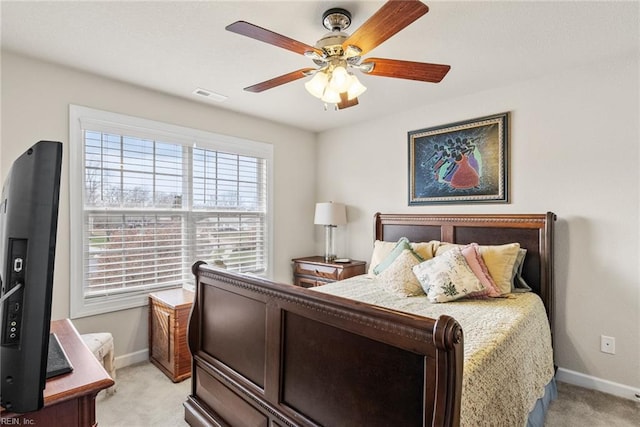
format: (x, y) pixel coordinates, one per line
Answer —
(508, 358)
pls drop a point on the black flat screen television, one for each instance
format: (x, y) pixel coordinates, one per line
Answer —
(28, 227)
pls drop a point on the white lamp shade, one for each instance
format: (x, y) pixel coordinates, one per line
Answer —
(329, 213)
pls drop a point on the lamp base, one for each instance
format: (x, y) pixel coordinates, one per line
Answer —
(329, 247)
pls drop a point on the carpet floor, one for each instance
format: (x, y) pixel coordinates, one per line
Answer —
(145, 397)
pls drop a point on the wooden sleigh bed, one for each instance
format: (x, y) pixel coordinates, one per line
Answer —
(269, 354)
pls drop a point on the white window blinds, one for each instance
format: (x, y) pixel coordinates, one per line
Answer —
(152, 206)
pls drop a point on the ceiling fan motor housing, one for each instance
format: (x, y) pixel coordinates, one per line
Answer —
(336, 19)
(331, 43)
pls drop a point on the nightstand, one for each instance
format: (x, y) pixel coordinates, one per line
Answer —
(168, 319)
(315, 271)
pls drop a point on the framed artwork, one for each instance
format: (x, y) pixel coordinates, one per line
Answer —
(464, 162)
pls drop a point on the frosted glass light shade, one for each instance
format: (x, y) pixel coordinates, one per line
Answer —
(340, 80)
(355, 88)
(317, 84)
(331, 96)
(328, 85)
(329, 213)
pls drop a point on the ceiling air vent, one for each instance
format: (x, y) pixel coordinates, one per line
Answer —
(210, 95)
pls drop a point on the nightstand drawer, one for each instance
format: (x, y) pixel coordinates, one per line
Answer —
(326, 271)
(308, 282)
(315, 271)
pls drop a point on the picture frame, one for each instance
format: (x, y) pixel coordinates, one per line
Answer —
(462, 162)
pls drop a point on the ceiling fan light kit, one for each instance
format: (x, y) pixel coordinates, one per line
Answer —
(337, 53)
(330, 83)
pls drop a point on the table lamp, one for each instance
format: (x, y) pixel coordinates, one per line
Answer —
(330, 215)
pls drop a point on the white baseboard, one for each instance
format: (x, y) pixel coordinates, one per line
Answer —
(594, 383)
(132, 358)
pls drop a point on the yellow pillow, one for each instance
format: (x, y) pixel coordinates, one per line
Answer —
(381, 249)
(499, 260)
(426, 250)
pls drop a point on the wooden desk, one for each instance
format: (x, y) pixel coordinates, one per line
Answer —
(70, 399)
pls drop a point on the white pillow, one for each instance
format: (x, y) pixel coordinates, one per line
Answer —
(399, 278)
(448, 277)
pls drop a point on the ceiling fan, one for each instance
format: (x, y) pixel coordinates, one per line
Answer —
(337, 53)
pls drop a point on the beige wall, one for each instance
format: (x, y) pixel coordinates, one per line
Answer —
(574, 151)
(35, 106)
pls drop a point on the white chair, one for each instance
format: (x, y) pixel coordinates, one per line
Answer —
(101, 345)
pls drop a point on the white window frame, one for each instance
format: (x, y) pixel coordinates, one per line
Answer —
(81, 118)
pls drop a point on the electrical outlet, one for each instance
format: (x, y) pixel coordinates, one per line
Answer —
(607, 344)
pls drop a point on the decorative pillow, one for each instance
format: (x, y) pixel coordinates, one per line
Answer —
(402, 244)
(448, 277)
(472, 255)
(426, 250)
(499, 260)
(445, 247)
(382, 249)
(399, 278)
(518, 284)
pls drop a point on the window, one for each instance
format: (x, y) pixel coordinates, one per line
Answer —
(150, 199)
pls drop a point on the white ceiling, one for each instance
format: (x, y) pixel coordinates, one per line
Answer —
(178, 46)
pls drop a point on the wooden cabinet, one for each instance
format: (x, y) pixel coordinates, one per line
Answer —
(168, 320)
(314, 271)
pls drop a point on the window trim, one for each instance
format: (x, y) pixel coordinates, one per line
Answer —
(81, 117)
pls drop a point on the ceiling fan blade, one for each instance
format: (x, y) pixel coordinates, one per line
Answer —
(280, 80)
(345, 102)
(420, 71)
(267, 36)
(387, 21)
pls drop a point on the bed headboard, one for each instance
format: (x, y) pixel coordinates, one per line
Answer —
(534, 233)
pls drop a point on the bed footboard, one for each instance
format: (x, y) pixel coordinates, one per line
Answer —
(268, 354)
